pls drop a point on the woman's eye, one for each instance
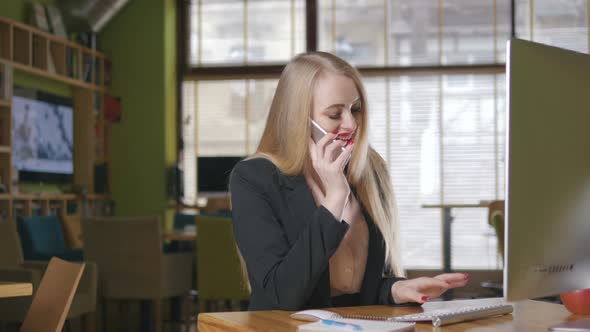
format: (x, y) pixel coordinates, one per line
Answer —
(356, 110)
(334, 116)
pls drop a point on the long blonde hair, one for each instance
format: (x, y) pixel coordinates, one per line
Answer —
(367, 173)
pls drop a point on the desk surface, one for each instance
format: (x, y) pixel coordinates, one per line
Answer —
(12, 289)
(527, 316)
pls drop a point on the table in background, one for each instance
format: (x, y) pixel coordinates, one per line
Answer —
(13, 289)
(527, 316)
(179, 236)
(447, 221)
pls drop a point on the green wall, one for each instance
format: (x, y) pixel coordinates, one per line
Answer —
(141, 42)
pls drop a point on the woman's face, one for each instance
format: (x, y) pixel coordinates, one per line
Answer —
(336, 105)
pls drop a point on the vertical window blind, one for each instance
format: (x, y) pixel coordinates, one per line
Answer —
(441, 132)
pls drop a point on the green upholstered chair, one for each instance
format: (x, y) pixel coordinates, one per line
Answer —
(14, 268)
(219, 274)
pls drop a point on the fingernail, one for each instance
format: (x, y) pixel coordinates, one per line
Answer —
(466, 275)
(424, 298)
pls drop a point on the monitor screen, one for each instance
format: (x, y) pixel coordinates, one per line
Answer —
(548, 171)
(214, 172)
(42, 136)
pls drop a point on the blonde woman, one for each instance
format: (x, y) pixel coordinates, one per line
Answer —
(315, 222)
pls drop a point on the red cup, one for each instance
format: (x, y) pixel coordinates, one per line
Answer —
(577, 301)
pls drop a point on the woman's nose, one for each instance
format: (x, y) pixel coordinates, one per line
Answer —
(348, 122)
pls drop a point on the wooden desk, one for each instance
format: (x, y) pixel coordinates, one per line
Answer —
(527, 316)
(13, 289)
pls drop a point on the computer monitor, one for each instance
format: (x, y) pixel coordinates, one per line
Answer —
(213, 173)
(547, 240)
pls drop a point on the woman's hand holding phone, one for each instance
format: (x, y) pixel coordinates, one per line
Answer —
(331, 172)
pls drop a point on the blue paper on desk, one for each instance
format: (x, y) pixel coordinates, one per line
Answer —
(365, 325)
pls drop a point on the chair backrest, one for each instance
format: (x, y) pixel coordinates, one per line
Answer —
(40, 235)
(11, 253)
(72, 229)
(219, 275)
(53, 298)
(128, 253)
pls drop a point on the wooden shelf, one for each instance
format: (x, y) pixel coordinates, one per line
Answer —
(87, 72)
(13, 205)
(96, 196)
(38, 52)
(41, 196)
(63, 79)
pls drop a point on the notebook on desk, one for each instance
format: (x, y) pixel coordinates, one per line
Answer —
(439, 313)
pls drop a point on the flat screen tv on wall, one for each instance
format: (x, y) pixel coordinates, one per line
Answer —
(42, 137)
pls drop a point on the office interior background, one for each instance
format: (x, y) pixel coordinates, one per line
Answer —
(434, 74)
(195, 79)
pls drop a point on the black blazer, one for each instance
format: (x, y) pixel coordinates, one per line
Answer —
(286, 241)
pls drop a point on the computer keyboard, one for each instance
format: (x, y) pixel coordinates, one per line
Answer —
(448, 316)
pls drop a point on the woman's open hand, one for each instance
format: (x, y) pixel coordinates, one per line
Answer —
(423, 289)
(331, 172)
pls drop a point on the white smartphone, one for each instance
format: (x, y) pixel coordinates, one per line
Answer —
(318, 132)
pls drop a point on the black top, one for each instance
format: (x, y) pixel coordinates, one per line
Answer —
(287, 241)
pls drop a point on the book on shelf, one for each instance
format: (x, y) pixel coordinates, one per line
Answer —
(5, 82)
(37, 17)
(72, 63)
(57, 24)
(2, 93)
(97, 71)
(97, 103)
(83, 38)
(87, 69)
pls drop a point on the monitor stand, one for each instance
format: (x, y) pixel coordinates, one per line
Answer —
(580, 325)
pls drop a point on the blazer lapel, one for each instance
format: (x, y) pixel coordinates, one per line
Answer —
(300, 203)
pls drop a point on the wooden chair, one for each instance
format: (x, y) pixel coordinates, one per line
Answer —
(53, 299)
(14, 268)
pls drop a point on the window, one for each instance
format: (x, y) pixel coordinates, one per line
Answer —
(433, 71)
(558, 23)
(244, 32)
